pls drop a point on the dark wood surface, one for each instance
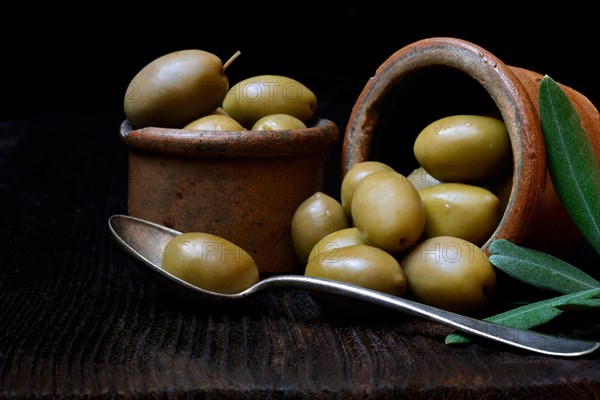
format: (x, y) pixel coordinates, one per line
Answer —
(77, 319)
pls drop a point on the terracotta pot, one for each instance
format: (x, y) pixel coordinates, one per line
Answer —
(243, 186)
(436, 77)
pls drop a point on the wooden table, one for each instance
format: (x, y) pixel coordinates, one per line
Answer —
(77, 321)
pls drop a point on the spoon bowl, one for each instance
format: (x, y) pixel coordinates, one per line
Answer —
(145, 241)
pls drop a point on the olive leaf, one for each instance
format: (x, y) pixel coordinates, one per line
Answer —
(533, 314)
(539, 269)
(571, 162)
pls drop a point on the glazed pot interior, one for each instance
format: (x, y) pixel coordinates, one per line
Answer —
(414, 101)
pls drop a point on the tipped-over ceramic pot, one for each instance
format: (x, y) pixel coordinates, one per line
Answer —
(441, 76)
(243, 186)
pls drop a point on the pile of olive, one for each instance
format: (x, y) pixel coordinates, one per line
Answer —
(463, 175)
(189, 90)
(416, 235)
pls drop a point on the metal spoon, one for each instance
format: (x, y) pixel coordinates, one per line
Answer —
(145, 241)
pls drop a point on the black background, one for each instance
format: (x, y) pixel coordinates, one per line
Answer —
(77, 321)
(81, 59)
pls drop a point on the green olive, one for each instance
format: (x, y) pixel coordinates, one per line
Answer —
(316, 217)
(215, 122)
(388, 211)
(209, 262)
(362, 265)
(354, 175)
(335, 240)
(462, 210)
(278, 122)
(421, 179)
(464, 148)
(253, 98)
(175, 89)
(449, 273)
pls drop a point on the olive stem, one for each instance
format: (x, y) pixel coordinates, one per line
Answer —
(231, 59)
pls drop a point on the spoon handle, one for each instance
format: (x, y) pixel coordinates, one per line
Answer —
(145, 240)
(524, 339)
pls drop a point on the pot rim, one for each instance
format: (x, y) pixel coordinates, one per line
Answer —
(320, 136)
(506, 90)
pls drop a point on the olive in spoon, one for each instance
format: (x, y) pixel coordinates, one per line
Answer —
(145, 241)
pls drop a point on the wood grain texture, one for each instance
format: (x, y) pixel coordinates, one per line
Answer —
(79, 321)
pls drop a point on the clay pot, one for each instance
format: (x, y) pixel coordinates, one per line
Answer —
(437, 77)
(242, 186)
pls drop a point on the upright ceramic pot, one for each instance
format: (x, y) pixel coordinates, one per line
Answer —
(441, 76)
(243, 186)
